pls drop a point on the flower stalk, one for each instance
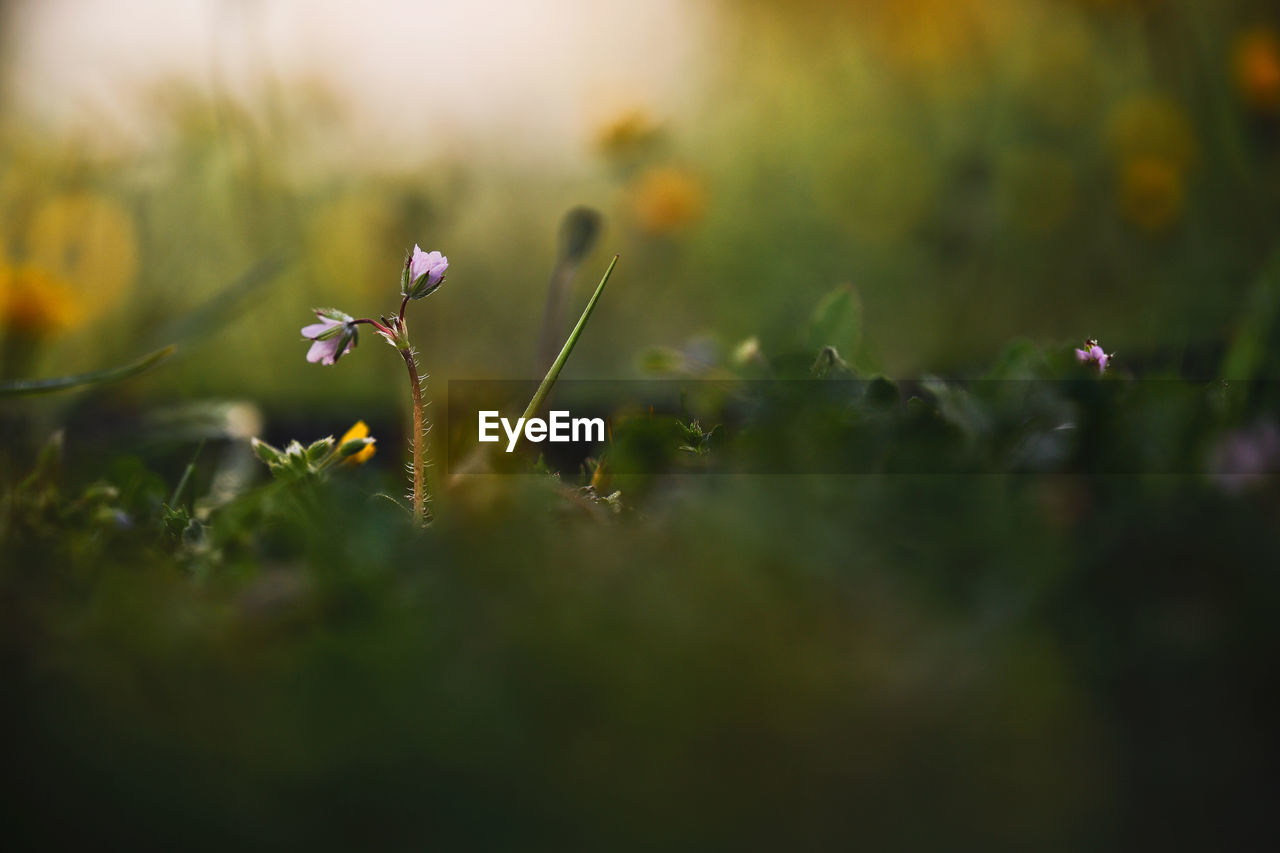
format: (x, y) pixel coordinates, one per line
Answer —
(419, 439)
(337, 334)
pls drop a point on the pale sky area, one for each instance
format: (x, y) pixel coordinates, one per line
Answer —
(415, 74)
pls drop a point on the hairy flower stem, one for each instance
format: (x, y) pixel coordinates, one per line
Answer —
(419, 437)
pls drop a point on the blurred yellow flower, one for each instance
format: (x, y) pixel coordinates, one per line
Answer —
(626, 134)
(89, 241)
(360, 430)
(1151, 192)
(36, 303)
(666, 199)
(1256, 67)
(1154, 147)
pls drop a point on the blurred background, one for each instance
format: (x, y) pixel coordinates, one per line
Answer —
(1057, 662)
(977, 169)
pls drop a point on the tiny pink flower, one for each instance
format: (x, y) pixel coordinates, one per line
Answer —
(424, 272)
(333, 337)
(1091, 353)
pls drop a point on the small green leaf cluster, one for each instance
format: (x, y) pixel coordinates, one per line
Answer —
(296, 462)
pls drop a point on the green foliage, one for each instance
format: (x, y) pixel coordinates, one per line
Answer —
(837, 322)
(296, 463)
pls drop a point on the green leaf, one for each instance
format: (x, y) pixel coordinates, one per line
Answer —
(266, 452)
(318, 450)
(837, 321)
(28, 387)
(550, 379)
(186, 475)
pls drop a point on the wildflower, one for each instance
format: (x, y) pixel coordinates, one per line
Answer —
(1256, 63)
(1091, 353)
(333, 337)
(1244, 457)
(666, 199)
(423, 273)
(36, 303)
(358, 456)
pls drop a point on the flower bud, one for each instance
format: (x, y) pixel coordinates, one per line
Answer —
(424, 272)
(356, 446)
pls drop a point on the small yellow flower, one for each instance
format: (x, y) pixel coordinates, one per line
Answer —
(666, 198)
(1256, 67)
(36, 303)
(360, 430)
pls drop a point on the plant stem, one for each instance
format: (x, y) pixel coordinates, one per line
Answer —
(386, 333)
(550, 379)
(419, 460)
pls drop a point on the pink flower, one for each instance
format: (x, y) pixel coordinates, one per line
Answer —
(1093, 354)
(1245, 457)
(423, 273)
(332, 338)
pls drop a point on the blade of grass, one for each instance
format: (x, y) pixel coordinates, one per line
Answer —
(186, 475)
(27, 387)
(224, 306)
(550, 379)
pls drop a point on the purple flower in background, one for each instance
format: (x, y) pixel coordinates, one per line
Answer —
(423, 273)
(1093, 354)
(332, 338)
(1245, 457)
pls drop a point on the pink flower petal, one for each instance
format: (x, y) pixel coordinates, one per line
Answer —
(316, 329)
(322, 351)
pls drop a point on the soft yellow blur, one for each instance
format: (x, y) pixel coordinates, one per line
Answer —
(88, 240)
(1154, 148)
(36, 303)
(667, 198)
